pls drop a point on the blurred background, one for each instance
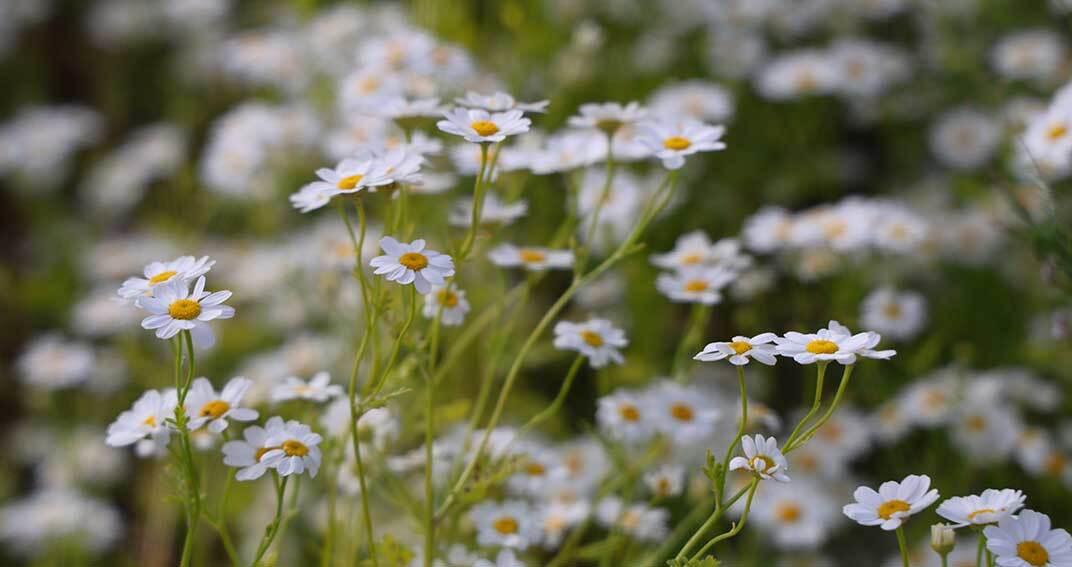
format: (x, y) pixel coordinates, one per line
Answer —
(897, 165)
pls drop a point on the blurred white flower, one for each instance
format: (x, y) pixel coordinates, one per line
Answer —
(204, 406)
(479, 126)
(597, 339)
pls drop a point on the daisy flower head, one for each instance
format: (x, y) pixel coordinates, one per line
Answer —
(626, 416)
(637, 519)
(695, 284)
(833, 343)
(500, 102)
(990, 507)
(1027, 540)
(762, 457)
(174, 307)
(450, 301)
(683, 413)
(145, 424)
(666, 481)
(156, 273)
(505, 558)
(412, 264)
(532, 258)
(203, 405)
(349, 176)
(893, 503)
(607, 117)
(248, 453)
(508, 524)
(481, 127)
(292, 449)
(318, 389)
(741, 349)
(672, 140)
(695, 248)
(899, 315)
(597, 339)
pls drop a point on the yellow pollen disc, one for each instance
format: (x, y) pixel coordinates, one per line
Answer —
(692, 259)
(663, 486)
(349, 182)
(294, 448)
(892, 310)
(1057, 132)
(447, 298)
(1033, 553)
(788, 512)
(891, 507)
(831, 432)
(630, 519)
(696, 285)
(740, 347)
(531, 256)
(150, 421)
(762, 463)
(629, 412)
(184, 309)
(681, 412)
(215, 409)
(162, 277)
(980, 512)
(484, 127)
(975, 423)
(261, 451)
(535, 469)
(413, 260)
(592, 338)
(676, 143)
(821, 346)
(1055, 464)
(806, 82)
(505, 525)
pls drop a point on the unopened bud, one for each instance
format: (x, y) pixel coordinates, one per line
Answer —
(943, 539)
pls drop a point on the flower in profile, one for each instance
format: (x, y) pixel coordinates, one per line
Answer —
(741, 349)
(146, 424)
(203, 405)
(834, 343)
(533, 258)
(695, 249)
(347, 177)
(500, 102)
(480, 126)
(448, 299)
(990, 507)
(597, 339)
(893, 503)
(318, 389)
(607, 116)
(292, 449)
(508, 524)
(671, 141)
(695, 284)
(666, 481)
(762, 457)
(248, 453)
(175, 308)
(412, 264)
(1027, 540)
(156, 273)
(637, 519)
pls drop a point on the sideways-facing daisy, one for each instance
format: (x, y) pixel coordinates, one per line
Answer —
(893, 503)
(671, 141)
(1027, 540)
(597, 339)
(481, 127)
(175, 308)
(203, 405)
(156, 273)
(990, 507)
(695, 284)
(762, 457)
(741, 349)
(533, 258)
(292, 449)
(146, 424)
(508, 524)
(834, 343)
(412, 264)
(500, 102)
(607, 116)
(248, 453)
(451, 301)
(318, 389)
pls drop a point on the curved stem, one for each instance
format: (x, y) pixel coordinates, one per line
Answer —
(737, 527)
(479, 189)
(740, 431)
(716, 515)
(429, 486)
(902, 545)
(821, 374)
(604, 196)
(846, 375)
(697, 319)
(556, 404)
(411, 293)
(270, 531)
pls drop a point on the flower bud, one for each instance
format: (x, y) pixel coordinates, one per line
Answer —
(943, 539)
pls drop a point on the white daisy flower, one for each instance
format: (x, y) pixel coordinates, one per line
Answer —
(695, 284)
(507, 524)
(500, 102)
(412, 264)
(480, 127)
(797, 515)
(762, 457)
(203, 405)
(146, 423)
(834, 343)
(695, 248)
(1028, 541)
(539, 469)
(893, 503)
(156, 273)
(682, 413)
(248, 453)
(175, 308)
(505, 558)
(52, 362)
(532, 258)
(741, 349)
(666, 481)
(318, 389)
(625, 416)
(348, 176)
(639, 520)
(898, 315)
(451, 301)
(671, 141)
(990, 507)
(292, 449)
(597, 339)
(697, 99)
(401, 108)
(607, 116)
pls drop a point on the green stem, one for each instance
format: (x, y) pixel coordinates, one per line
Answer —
(221, 518)
(737, 527)
(429, 486)
(979, 551)
(821, 374)
(846, 375)
(740, 431)
(270, 531)
(716, 515)
(693, 329)
(556, 404)
(604, 195)
(479, 189)
(902, 545)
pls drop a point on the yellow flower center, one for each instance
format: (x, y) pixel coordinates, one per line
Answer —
(677, 143)
(681, 412)
(447, 298)
(162, 277)
(184, 309)
(980, 512)
(215, 409)
(741, 347)
(762, 463)
(150, 421)
(975, 423)
(696, 285)
(692, 258)
(349, 182)
(535, 469)
(821, 346)
(295, 448)
(1056, 132)
(484, 127)
(788, 512)
(662, 486)
(261, 451)
(891, 507)
(892, 311)
(1033, 553)
(1055, 464)
(531, 256)
(629, 412)
(505, 525)
(413, 260)
(592, 338)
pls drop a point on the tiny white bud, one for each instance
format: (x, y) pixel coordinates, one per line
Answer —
(943, 539)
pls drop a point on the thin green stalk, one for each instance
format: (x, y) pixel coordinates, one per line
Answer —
(821, 374)
(221, 521)
(713, 519)
(902, 545)
(737, 527)
(740, 431)
(411, 293)
(270, 531)
(846, 375)
(945, 560)
(604, 195)
(556, 404)
(479, 189)
(980, 550)
(697, 319)
(366, 514)
(429, 486)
